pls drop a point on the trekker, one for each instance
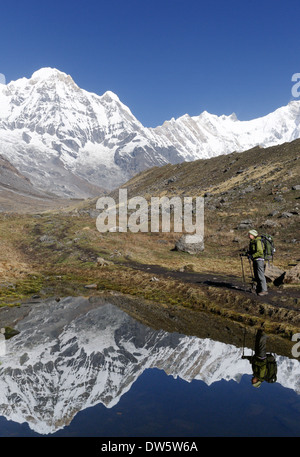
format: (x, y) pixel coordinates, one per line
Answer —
(264, 365)
(259, 359)
(256, 254)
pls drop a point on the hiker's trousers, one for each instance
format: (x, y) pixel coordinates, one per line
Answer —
(261, 344)
(259, 274)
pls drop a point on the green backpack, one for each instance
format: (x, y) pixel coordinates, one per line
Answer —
(271, 375)
(268, 246)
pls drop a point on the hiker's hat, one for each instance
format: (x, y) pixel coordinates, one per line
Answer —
(253, 232)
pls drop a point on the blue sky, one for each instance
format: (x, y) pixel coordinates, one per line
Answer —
(163, 58)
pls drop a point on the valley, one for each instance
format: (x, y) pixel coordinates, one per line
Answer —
(60, 252)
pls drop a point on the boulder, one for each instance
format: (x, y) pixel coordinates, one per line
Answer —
(91, 286)
(268, 223)
(102, 262)
(246, 224)
(192, 244)
(286, 214)
(47, 239)
(249, 189)
(273, 213)
(292, 276)
(279, 198)
(154, 278)
(274, 274)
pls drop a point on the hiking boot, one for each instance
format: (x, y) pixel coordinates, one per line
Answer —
(262, 293)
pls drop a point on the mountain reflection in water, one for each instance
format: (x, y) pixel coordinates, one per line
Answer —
(74, 354)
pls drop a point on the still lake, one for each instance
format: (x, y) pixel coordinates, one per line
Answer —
(81, 369)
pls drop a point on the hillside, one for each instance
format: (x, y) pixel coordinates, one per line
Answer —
(258, 189)
(265, 170)
(19, 195)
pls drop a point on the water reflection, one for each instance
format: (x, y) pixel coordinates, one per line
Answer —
(264, 365)
(75, 354)
(5, 334)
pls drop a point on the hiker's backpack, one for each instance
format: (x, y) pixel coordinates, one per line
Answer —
(268, 246)
(271, 375)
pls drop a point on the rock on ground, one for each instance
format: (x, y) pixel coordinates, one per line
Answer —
(273, 273)
(293, 275)
(192, 244)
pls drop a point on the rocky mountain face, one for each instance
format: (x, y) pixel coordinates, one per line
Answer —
(12, 179)
(75, 144)
(17, 193)
(83, 353)
(70, 141)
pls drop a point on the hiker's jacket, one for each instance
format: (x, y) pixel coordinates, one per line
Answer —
(259, 366)
(256, 250)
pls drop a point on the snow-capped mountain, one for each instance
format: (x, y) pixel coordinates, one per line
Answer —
(58, 134)
(73, 142)
(76, 353)
(209, 135)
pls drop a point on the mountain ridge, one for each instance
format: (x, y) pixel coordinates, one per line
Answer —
(66, 139)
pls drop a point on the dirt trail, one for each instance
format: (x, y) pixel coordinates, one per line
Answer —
(288, 298)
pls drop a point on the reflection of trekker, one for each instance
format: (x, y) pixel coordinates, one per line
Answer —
(256, 254)
(264, 365)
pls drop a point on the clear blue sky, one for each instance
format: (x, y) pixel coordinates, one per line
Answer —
(163, 58)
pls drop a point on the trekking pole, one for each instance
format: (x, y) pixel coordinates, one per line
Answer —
(243, 274)
(251, 269)
(244, 341)
(252, 274)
